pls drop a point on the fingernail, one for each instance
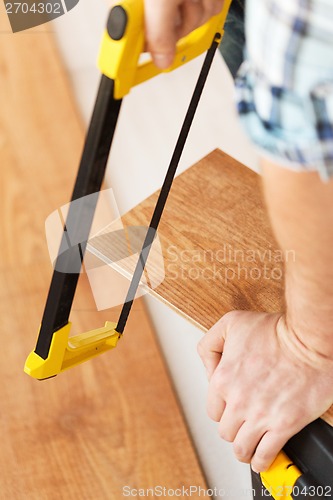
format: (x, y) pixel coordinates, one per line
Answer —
(162, 61)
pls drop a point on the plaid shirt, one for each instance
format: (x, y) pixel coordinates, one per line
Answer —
(284, 89)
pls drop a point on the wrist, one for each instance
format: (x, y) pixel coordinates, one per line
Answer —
(297, 344)
(309, 311)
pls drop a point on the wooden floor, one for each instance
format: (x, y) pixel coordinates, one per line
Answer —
(219, 253)
(113, 421)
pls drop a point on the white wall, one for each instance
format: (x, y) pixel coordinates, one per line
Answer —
(148, 127)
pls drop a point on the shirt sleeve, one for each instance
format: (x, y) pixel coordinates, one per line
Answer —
(284, 89)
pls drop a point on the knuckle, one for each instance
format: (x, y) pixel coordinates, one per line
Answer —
(160, 43)
(206, 15)
(259, 465)
(237, 406)
(242, 453)
(196, 17)
(213, 414)
(218, 4)
(262, 457)
(225, 373)
(218, 384)
(209, 9)
(260, 416)
(231, 316)
(265, 455)
(225, 434)
(285, 424)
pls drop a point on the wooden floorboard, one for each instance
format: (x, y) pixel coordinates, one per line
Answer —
(115, 420)
(219, 252)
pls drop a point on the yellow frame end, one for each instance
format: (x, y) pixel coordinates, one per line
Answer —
(66, 352)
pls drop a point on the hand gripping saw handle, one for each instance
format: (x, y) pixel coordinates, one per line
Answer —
(122, 45)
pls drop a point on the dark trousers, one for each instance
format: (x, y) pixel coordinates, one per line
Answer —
(233, 43)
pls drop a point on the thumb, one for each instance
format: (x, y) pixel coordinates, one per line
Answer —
(210, 347)
(161, 30)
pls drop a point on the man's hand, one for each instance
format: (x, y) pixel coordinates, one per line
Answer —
(264, 384)
(169, 20)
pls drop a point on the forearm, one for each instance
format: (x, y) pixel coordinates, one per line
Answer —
(300, 206)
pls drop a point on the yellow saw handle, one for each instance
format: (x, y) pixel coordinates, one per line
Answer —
(280, 479)
(124, 39)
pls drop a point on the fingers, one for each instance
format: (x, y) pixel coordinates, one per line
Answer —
(267, 450)
(211, 8)
(246, 441)
(252, 442)
(211, 346)
(161, 19)
(215, 403)
(230, 423)
(169, 20)
(192, 15)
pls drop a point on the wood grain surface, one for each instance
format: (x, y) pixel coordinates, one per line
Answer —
(113, 421)
(219, 252)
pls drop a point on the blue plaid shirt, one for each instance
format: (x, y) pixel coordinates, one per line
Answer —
(284, 89)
